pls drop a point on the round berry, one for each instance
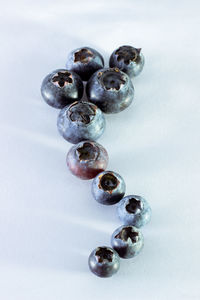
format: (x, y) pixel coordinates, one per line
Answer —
(81, 121)
(87, 159)
(104, 261)
(108, 188)
(84, 61)
(127, 241)
(110, 89)
(61, 87)
(134, 210)
(128, 59)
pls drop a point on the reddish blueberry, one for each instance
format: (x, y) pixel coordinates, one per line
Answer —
(81, 121)
(87, 159)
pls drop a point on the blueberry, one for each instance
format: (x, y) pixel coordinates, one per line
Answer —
(84, 61)
(81, 121)
(127, 241)
(110, 89)
(104, 261)
(128, 59)
(134, 210)
(87, 159)
(108, 188)
(61, 87)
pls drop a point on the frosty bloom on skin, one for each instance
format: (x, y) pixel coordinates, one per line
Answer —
(81, 121)
(134, 210)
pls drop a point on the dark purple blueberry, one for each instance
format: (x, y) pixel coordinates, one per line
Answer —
(110, 89)
(134, 210)
(87, 159)
(61, 87)
(104, 261)
(81, 121)
(128, 59)
(127, 241)
(108, 188)
(84, 61)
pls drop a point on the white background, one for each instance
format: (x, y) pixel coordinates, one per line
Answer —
(49, 222)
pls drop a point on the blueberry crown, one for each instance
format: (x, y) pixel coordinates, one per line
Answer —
(62, 78)
(108, 182)
(134, 206)
(87, 151)
(81, 112)
(83, 55)
(112, 79)
(126, 233)
(128, 54)
(104, 254)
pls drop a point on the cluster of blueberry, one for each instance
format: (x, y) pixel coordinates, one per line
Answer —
(82, 122)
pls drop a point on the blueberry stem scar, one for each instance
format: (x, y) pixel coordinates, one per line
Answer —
(62, 78)
(126, 233)
(103, 254)
(83, 55)
(87, 152)
(133, 206)
(108, 182)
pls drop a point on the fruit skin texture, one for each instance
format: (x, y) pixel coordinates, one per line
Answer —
(104, 261)
(134, 210)
(110, 89)
(84, 61)
(108, 188)
(128, 59)
(61, 87)
(127, 240)
(80, 121)
(87, 159)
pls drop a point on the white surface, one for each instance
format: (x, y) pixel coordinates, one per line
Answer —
(49, 222)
